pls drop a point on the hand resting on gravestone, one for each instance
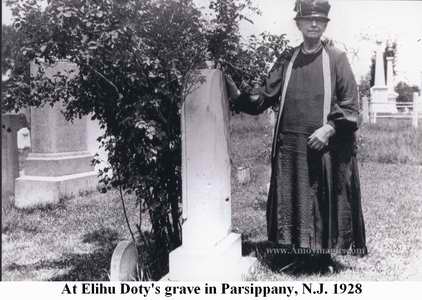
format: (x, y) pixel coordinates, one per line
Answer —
(233, 91)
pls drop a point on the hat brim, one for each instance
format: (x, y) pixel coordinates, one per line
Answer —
(313, 16)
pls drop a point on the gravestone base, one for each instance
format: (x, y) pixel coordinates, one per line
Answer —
(224, 261)
(49, 177)
(58, 164)
(32, 191)
(381, 102)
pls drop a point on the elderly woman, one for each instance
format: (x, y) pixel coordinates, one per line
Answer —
(314, 203)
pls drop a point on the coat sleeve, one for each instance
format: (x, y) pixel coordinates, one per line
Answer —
(259, 99)
(344, 113)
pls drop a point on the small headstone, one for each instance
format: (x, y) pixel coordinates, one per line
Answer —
(124, 262)
(24, 140)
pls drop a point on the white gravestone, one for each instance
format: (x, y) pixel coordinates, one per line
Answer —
(209, 251)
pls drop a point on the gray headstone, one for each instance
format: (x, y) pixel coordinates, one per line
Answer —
(10, 124)
(59, 164)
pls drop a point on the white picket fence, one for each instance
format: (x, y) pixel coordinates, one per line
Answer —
(411, 111)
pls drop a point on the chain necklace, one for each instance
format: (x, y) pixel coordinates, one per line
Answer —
(304, 51)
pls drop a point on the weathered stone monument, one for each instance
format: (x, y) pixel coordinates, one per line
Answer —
(59, 164)
(210, 250)
(380, 100)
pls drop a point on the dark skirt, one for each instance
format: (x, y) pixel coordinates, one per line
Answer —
(314, 200)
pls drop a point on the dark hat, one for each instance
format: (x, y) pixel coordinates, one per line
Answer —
(312, 9)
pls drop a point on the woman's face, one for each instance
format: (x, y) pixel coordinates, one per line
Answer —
(312, 28)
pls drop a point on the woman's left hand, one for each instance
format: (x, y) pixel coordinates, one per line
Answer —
(319, 139)
(232, 90)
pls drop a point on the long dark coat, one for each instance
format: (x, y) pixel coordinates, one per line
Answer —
(345, 230)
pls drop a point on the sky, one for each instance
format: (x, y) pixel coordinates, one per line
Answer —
(355, 24)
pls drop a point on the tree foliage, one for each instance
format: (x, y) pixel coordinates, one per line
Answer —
(137, 60)
(247, 60)
(405, 91)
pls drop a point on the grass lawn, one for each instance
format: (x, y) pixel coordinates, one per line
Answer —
(71, 241)
(75, 239)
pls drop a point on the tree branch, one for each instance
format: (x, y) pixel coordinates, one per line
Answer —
(120, 95)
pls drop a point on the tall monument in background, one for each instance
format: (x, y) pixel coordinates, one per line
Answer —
(383, 97)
